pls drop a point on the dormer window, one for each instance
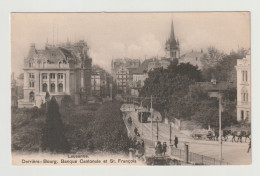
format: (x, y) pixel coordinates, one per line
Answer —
(30, 64)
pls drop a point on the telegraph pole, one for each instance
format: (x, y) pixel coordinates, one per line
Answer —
(151, 110)
(142, 114)
(157, 129)
(220, 133)
(170, 133)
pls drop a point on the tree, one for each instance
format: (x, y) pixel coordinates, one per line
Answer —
(53, 137)
(212, 57)
(226, 64)
(169, 85)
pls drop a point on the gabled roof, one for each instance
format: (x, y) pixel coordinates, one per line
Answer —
(192, 54)
(143, 67)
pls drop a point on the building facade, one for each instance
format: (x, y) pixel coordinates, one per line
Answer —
(156, 63)
(243, 69)
(172, 47)
(59, 70)
(121, 73)
(95, 84)
(194, 58)
(14, 92)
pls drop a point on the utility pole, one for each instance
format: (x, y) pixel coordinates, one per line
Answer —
(170, 133)
(220, 133)
(151, 110)
(142, 114)
(157, 129)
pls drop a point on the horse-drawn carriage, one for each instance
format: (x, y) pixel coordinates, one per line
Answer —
(236, 135)
(202, 134)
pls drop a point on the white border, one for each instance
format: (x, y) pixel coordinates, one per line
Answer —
(6, 7)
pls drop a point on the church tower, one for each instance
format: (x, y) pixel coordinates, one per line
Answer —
(172, 46)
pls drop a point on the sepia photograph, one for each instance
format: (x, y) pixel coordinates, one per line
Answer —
(131, 89)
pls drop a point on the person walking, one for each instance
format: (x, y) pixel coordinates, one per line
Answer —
(158, 148)
(249, 146)
(176, 142)
(164, 148)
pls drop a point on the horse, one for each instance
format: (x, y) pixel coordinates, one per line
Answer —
(225, 134)
(246, 134)
(215, 135)
(238, 134)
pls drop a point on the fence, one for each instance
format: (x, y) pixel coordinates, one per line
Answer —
(194, 158)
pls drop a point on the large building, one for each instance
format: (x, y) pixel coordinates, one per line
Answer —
(159, 63)
(243, 68)
(14, 92)
(194, 58)
(121, 72)
(172, 46)
(59, 70)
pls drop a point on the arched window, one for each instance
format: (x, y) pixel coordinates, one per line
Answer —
(52, 87)
(244, 95)
(44, 87)
(60, 87)
(31, 96)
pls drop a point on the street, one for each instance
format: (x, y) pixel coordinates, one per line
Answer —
(233, 153)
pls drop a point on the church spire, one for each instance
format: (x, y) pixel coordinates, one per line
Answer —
(172, 36)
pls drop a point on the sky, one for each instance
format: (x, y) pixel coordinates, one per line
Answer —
(132, 35)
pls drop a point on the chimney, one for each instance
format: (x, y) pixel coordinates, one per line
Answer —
(201, 50)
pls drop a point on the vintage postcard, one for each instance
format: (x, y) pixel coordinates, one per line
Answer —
(130, 89)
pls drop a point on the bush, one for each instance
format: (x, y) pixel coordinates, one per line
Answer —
(53, 138)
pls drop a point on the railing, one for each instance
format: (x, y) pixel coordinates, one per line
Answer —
(195, 158)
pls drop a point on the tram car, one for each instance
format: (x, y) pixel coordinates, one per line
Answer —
(143, 116)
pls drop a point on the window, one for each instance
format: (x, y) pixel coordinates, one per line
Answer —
(245, 97)
(246, 76)
(31, 95)
(60, 76)
(52, 87)
(31, 75)
(44, 87)
(60, 87)
(31, 84)
(44, 76)
(52, 75)
(247, 114)
(242, 115)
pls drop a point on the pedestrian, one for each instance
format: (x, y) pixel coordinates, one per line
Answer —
(176, 142)
(249, 146)
(164, 148)
(135, 130)
(142, 143)
(158, 148)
